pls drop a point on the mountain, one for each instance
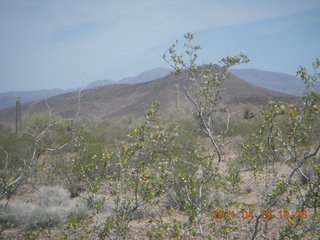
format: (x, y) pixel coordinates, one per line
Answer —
(100, 83)
(271, 80)
(8, 99)
(118, 100)
(147, 76)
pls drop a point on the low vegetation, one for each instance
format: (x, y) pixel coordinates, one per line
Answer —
(50, 206)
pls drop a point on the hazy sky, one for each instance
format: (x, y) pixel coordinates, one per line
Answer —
(47, 44)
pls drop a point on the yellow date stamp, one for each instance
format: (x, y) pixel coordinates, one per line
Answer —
(247, 214)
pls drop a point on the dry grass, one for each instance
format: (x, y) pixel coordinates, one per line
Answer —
(50, 206)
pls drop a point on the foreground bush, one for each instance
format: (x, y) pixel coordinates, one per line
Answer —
(50, 206)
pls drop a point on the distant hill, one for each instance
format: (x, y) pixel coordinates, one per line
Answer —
(147, 76)
(100, 83)
(120, 100)
(8, 99)
(272, 80)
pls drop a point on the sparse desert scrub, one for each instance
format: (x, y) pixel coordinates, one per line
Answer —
(289, 136)
(50, 206)
(177, 167)
(97, 202)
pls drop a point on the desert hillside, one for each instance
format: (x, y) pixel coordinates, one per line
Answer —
(119, 100)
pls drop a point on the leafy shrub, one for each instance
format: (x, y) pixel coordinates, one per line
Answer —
(288, 136)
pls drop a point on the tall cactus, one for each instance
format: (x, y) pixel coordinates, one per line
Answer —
(177, 97)
(18, 117)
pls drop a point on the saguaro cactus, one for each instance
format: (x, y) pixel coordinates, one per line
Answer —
(18, 117)
(177, 97)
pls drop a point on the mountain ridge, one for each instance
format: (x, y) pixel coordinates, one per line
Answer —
(146, 76)
(119, 100)
(271, 80)
(8, 99)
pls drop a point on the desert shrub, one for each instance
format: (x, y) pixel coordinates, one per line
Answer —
(288, 136)
(187, 136)
(82, 167)
(61, 173)
(112, 131)
(140, 175)
(248, 114)
(198, 185)
(50, 206)
(96, 202)
(15, 159)
(148, 210)
(51, 196)
(19, 155)
(30, 216)
(232, 175)
(16, 148)
(243, 127)
(58, 129)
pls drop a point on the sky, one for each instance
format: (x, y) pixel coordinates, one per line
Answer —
(47, 44)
